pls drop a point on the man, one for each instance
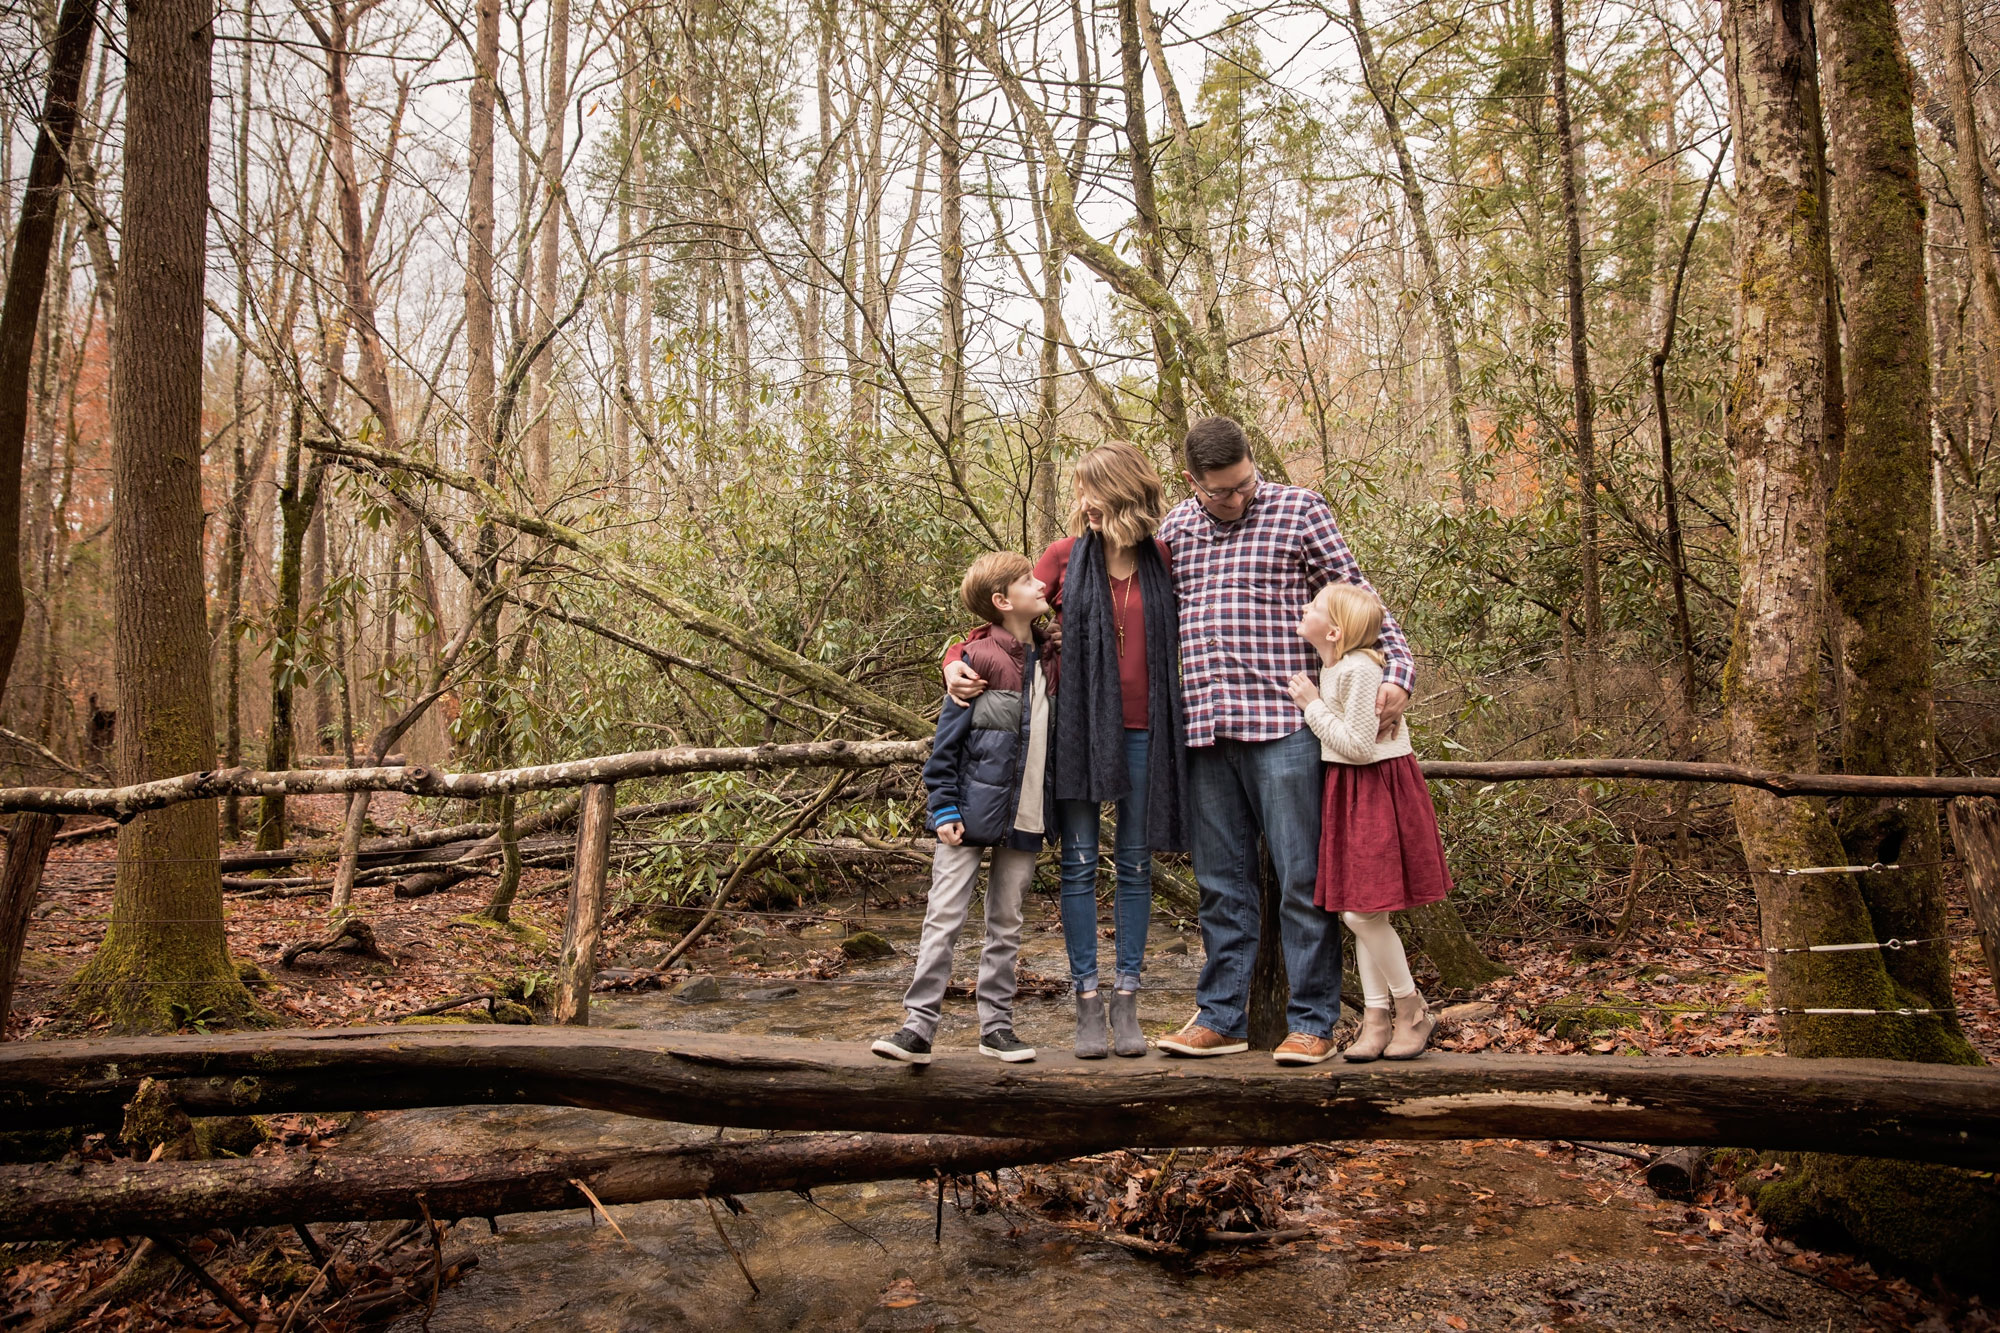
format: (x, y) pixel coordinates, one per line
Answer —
(1248, 554)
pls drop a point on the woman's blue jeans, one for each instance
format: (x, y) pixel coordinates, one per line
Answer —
(1132, 907)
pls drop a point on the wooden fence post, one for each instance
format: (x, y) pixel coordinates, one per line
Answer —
(585, 921)
(1975, 831)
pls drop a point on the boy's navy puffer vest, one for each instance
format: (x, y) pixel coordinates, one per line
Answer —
(974, 772)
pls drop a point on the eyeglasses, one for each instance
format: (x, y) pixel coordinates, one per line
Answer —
(1242, 492)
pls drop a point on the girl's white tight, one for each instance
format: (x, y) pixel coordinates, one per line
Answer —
(1378, 957)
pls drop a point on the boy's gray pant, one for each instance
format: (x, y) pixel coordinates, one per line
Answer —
(953, 873)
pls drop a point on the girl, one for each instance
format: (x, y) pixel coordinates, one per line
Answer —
(1379, 850)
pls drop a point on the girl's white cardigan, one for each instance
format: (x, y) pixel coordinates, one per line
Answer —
(1343, 717)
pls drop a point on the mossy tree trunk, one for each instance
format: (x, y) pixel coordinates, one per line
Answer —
(1776, 432)
(1879, 534)
(164, 961)
(1270, 985)
(1878, 566)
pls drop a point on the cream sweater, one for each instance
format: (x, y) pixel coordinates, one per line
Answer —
(1343, 717)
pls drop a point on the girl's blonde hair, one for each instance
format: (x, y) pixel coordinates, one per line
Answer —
(1126, 486)
(1357, 612)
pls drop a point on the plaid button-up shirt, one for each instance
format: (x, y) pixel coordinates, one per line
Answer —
(1242, 587)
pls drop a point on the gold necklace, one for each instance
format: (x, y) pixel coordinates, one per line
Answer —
(1125, 612)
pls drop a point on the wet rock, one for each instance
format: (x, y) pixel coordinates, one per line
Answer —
(865, 944)
(698, 990)
(749, 951)
(1177, 947)
(923, 1315)
(771, 993)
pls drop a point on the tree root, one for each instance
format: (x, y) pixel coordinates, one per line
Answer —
(353, 934)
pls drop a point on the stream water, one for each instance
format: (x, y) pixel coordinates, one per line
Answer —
(863, 1257)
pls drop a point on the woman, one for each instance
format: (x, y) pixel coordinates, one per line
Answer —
(1118, 736)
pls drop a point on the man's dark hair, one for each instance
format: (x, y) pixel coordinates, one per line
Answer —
(1214, 443)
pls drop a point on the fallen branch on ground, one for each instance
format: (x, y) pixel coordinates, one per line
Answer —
(120, 1197)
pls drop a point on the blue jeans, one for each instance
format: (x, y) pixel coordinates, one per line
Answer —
(1132, 908)
(1238, 788)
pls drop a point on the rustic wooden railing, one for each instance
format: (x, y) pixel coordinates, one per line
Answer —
(598, 777)
(418, 780)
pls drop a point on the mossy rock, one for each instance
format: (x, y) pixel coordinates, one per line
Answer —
(1921, 1218)
(866, 944)
(1578, 1024)
(518, 931)
(153, 1118)
(234, 1135)
(468, 1015)
(251, 974)
(519, 1015)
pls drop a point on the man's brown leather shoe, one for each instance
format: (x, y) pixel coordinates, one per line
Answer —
(1302, 1048)
(1194, 1039)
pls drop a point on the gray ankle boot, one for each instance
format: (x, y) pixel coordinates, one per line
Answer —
(1091, 1040)
(1376, 1028)
(1125, 1034)
(1413, 1029)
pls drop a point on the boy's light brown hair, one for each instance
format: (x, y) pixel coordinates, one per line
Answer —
(991, 575)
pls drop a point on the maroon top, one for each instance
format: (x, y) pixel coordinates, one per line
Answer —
(1128, 609)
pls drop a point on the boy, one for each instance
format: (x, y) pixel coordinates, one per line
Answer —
(987, 781)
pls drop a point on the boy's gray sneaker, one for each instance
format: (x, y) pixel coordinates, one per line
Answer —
(1126, 1037)
(1004, 1045)
(906, 1046)
(1091, 1041)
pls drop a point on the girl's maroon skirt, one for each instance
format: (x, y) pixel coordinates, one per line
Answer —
(1379, 849)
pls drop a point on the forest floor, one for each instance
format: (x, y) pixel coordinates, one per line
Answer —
(1447, 1236)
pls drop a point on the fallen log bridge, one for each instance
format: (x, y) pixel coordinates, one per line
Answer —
(75, 1201)
(1875, 1108)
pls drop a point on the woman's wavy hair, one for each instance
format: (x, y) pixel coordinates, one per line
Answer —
(1127, 486)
